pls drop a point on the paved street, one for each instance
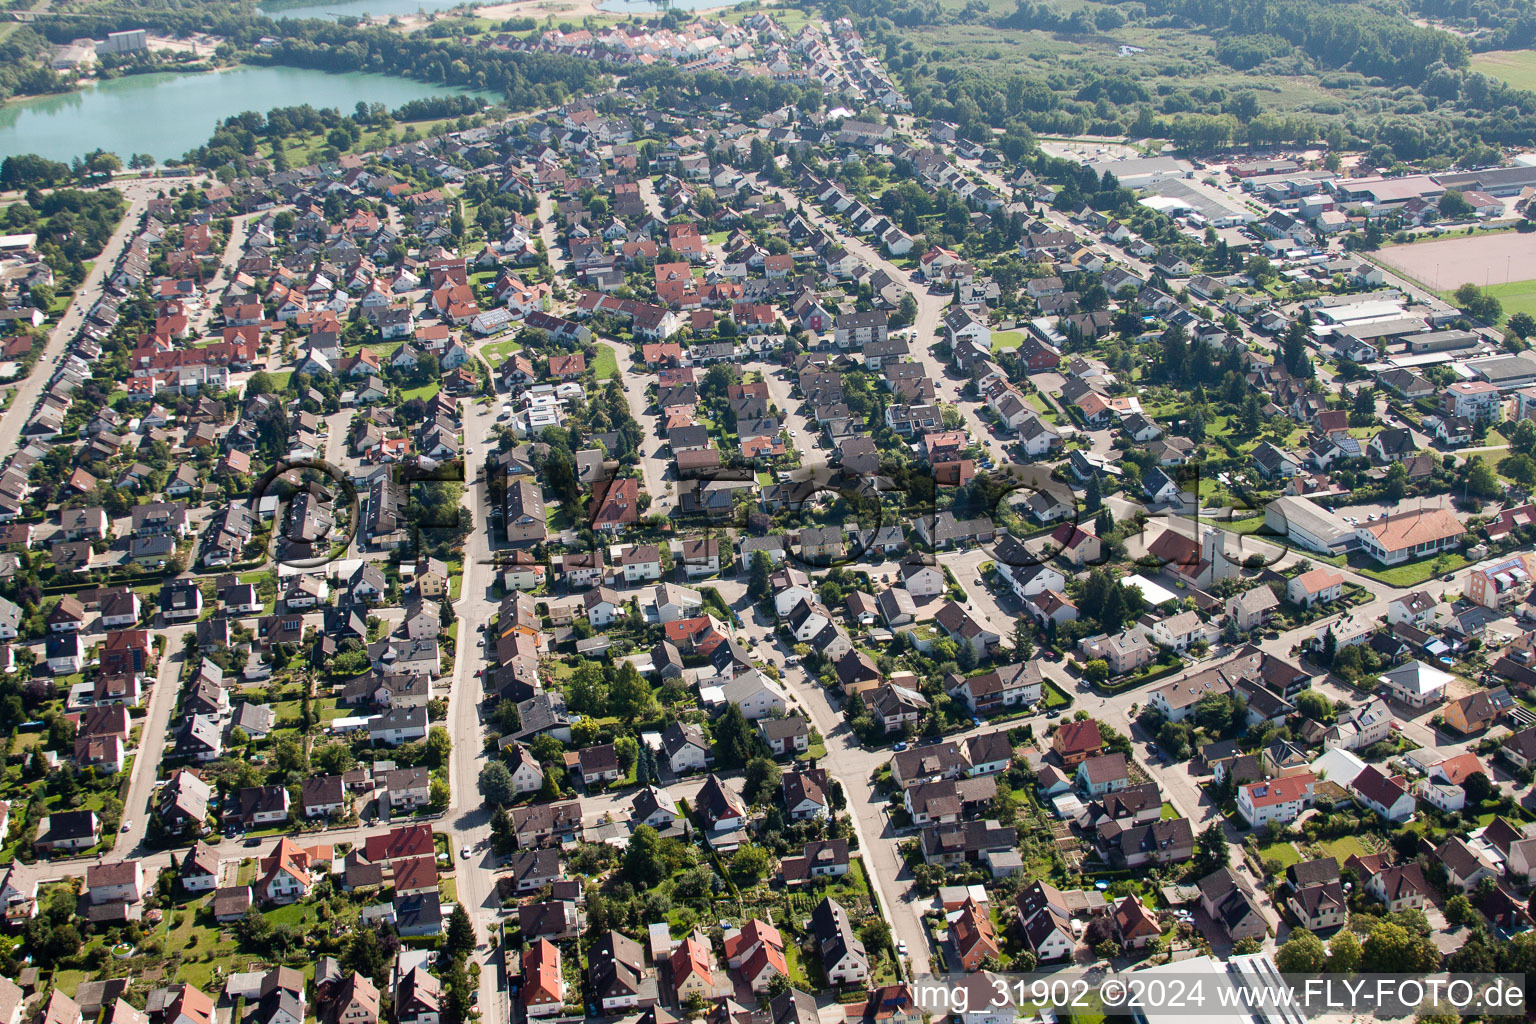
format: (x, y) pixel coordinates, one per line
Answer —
(466, 818)
(655, 460)
(926, 329)
(152, 739)
(25, 394)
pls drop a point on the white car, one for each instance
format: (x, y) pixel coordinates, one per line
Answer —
(901, 947)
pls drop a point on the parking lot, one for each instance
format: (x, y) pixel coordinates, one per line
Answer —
(1356, 515)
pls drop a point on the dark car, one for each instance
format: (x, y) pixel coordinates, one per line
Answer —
(253, 841)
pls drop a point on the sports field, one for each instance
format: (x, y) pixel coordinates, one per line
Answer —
(1515, 297)
(1497, 262)
(1515, 67)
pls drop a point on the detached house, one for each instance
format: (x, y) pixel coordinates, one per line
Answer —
(842, 953)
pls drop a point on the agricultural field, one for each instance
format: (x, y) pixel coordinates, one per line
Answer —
(1515, 67)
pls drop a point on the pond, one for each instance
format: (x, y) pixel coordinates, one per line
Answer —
(165, 115)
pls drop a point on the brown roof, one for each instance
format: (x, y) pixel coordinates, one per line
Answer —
(415, 873)
(1078, 737)
(1409, 529)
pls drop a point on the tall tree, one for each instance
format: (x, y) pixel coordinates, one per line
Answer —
(736, 742)
(1211, 850)
(762, 568)
(1392, 949)
(461, 932)
(762, 780)
(631, 698)
(1023, 644)
(643, 865)
(1249, 417)
(495, 784)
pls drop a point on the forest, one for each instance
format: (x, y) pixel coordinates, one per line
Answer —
(1405, 92)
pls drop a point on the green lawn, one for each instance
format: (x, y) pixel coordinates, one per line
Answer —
(497, 352)
(792, 18)
(1006, 340)
(1285, 853)
(1250, 525)
(607, 363)
(385, 350)
(200, 945)
(307, 149)
(1054, 696)
(1343, 848)
(424, 392)
(1414, 573)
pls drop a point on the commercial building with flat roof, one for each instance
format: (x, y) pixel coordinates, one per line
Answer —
(1367, 308)
(1504, 372)
(1496, 181)
(1388, 327)
(1388, 191)
(1441, 341)
(1307, 524)
(1216, 208)
(1139, 172)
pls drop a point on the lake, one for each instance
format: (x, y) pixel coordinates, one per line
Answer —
(165, 115)
(384, 9)
(380, 9)
(652, 7)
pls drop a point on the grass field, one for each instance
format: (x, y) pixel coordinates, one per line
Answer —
(1414, 573)
(303, 150)
(1054, 696)
(424, 392)
(1516, 297)
(1002, 340)
(792, 18)
(1343, 848)
(497, 352)
(607, 363)
(1285, 853)
(1515, 67)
